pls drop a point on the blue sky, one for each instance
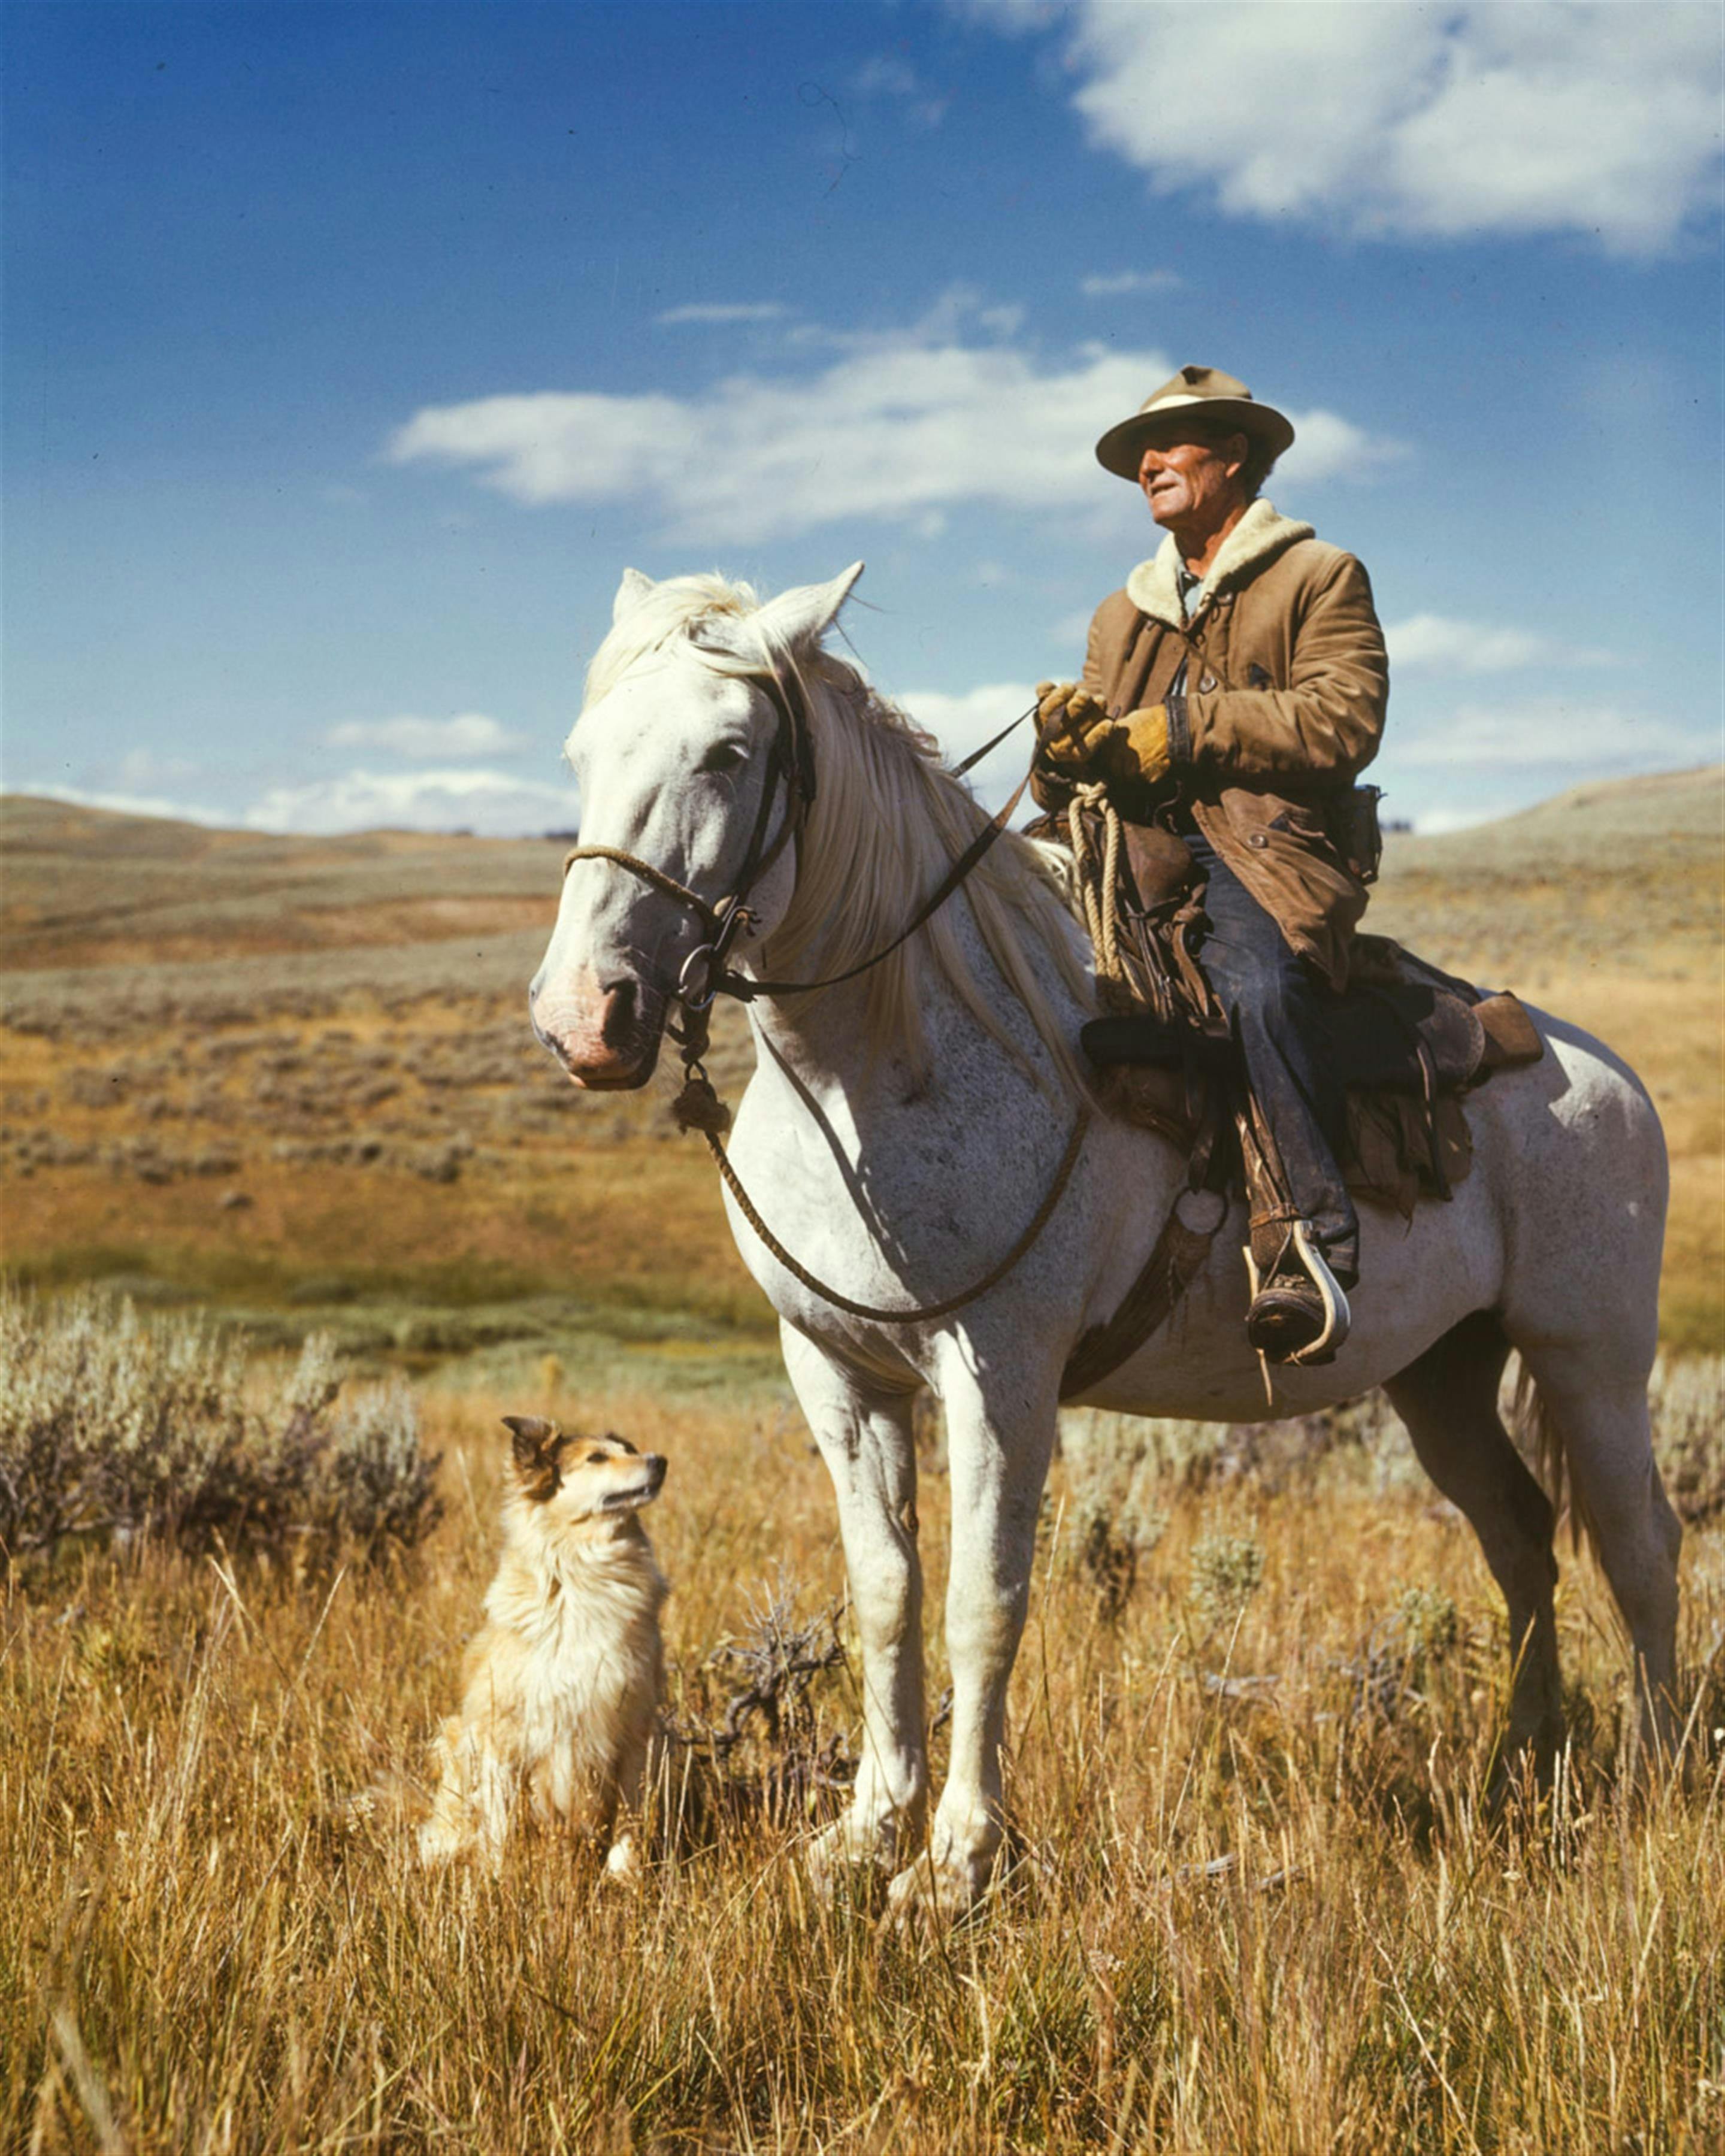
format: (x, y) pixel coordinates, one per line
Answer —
(350, 352)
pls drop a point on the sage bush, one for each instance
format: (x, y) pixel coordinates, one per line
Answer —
(123, 1427)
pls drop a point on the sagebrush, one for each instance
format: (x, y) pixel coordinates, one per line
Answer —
(123, 1427)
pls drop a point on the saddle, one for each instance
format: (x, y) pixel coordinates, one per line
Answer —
(1408, 1040)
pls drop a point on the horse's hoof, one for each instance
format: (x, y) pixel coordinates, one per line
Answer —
(939, 1894)
(852, 1852)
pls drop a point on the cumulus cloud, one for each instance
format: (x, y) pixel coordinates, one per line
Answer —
(888, 76)
(470, 734)
(1428, 122)
(1437, 644)
(724, 311)
(898, 428)
(495, 803)
(963, 722)
(1130, 280)
(1581, 740)
(120, 803)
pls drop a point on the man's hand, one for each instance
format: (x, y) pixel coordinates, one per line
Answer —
(1077, 713)
(1134, 747)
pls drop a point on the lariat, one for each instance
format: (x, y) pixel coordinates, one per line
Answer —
(1097, 874)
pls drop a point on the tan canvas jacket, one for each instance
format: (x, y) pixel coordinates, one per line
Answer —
(1286, 683)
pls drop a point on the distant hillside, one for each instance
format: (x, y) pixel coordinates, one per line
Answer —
(299, 1070)
(402, 912)
(1629, 872)
(84, 887)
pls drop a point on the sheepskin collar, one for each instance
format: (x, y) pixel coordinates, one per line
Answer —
(1260, 535)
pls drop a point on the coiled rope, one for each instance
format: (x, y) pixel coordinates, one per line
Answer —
(1098, 880)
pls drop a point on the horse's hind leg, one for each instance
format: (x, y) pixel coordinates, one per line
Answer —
(1449, 1401)
(1600, 1416)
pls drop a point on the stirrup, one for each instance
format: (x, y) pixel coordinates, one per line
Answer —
(1336, 1317)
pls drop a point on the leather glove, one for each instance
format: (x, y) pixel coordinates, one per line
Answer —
(1134, 747)
(1080, 713)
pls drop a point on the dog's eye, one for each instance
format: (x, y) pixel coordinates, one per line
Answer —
(595, 1459)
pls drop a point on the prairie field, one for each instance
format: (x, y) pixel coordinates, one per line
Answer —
(1257, 1897)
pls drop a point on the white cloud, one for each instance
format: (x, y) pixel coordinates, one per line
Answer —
(899, 427)
(964, 722)
(1433, 122)
(723, 310)
(1579, 739)
(888, 76)
(495, 803)
(1130, 280)
(123, 804)
(1437, 644)
(470, 734)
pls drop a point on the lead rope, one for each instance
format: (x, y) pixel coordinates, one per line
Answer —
(1099, 888)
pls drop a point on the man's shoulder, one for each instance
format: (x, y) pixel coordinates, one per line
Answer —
(1311, 561)
(1118, 611)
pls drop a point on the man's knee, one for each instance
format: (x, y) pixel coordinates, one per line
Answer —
(1256, 987)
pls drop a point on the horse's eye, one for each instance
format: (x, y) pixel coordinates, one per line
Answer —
(724, 756)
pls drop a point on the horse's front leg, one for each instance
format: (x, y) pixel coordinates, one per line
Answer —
(864, 1437)
(999, 1438)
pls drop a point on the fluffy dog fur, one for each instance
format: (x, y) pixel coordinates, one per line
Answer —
(559, 1690)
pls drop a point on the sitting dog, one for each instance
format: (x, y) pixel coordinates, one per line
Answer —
(560, 1689)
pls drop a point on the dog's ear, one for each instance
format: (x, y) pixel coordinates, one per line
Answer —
(615, 1437)
(533, 1437)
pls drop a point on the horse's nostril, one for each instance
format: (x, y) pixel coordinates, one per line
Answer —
(617, 1008)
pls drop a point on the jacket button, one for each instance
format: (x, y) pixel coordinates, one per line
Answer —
(1209, 681)
(1259, 840)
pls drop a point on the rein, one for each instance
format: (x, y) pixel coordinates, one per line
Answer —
(705, 975)
(792, 763)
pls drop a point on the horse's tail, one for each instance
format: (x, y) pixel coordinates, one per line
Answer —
(1541, 1441)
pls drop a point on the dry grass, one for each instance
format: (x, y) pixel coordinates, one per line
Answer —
(1261, 1916)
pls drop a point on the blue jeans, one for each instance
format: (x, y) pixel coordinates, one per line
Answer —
(1272, 1003)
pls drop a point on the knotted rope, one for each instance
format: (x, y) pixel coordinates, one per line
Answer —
(1098, 880)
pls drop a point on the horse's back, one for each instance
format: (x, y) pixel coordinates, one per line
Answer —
(1574, 1146)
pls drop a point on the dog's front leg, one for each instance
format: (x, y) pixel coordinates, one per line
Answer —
(864, 1438)
(491, 1785)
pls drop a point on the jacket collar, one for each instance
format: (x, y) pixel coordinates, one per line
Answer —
(1260, 535)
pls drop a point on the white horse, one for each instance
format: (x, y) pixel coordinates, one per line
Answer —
(899, 1130)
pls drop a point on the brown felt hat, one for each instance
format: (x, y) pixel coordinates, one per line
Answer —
(1194, 392)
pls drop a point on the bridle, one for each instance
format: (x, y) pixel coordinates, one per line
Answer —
(790, 763)
(705, 975)
(1179, 1251)
(706, 972)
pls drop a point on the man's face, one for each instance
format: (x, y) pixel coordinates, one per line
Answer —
(1192, 482)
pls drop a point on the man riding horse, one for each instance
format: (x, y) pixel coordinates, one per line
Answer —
(1232, 693)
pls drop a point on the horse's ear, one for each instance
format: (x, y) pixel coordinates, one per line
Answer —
(633, 588)
(802, 617)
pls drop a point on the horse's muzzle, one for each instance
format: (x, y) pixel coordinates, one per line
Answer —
(606, 1034)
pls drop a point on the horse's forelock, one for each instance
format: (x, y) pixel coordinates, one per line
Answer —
(676, 608)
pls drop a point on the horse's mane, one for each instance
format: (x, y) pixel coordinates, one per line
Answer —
(887, 821)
